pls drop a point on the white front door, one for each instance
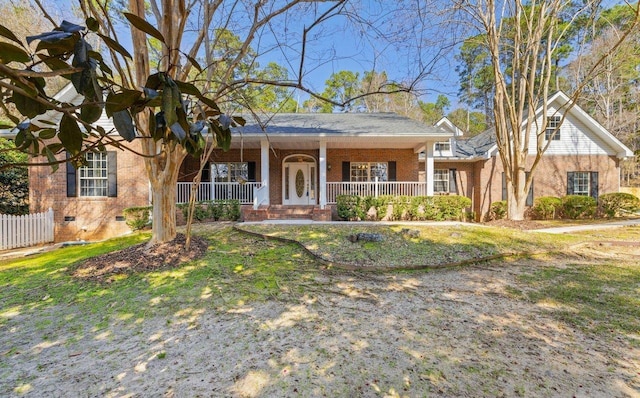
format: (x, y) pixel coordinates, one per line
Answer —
(299, 184)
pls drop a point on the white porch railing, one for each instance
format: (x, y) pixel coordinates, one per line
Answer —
(219, 191)
(261, 195)
(401, 188)
(27, 230)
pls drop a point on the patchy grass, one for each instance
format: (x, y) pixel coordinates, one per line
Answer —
(413, 246)
(602, 299)
(236, 270)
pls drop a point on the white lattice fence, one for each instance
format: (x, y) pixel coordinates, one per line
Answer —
(27, 230)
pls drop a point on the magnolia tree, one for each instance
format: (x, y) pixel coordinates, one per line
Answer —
(165, 89)
(524, 41)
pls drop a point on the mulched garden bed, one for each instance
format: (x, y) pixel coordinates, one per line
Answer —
(141, 258)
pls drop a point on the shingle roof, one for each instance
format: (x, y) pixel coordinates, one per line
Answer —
(353, 124)
(476, 146)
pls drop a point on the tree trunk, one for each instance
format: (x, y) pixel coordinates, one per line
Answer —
(517, 193)
(163, 195)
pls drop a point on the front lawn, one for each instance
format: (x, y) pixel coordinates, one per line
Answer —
(259, 317)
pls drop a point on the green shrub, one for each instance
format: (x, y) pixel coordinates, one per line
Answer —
(137, 217)
(498, 210)
(232, 210)
(546, 208)
(578, 206)
(450, 207)
(349, 208)
(612, 204)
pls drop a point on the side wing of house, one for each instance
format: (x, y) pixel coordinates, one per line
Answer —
(582, 158)
(88, 201)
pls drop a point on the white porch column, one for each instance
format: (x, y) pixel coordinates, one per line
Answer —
(264, 169)
(322, 188)
(428, 167)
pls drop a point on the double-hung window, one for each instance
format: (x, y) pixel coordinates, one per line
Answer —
(582, 183)
(230, 172)
(441, 181)
(368, 171)
(94, 177)
(552, 132)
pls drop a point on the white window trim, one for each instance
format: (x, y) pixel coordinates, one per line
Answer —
(444, 172)
(94, 158)
(214, 171)
(553, 123)
(576, 183)
(367, 166)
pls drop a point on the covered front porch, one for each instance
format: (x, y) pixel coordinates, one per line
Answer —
(308, 160)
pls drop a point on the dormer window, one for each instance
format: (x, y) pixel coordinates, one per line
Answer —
(443, 146)
(552, 132)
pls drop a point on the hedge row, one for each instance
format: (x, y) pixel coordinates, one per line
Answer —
(228, 210)
(393, 208)
(575, 206)
(138, 217)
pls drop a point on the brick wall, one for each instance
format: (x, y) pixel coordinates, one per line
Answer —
(95, 218)
(550, 177)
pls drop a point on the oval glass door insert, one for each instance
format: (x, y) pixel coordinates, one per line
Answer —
(299, 183)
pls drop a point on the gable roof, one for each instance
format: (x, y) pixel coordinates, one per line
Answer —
(484, 144)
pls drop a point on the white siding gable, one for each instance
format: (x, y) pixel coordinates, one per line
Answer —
(576, 138)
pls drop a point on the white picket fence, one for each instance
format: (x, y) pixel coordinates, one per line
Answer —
(27, 230)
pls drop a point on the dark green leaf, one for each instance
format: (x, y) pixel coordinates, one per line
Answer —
(115, 46)
(28, 106)
(154, 81)
(51, 157)
(169, 103)
(11, 53)
(239, 120)
(70, 27)
(194, 63)
(55, 147)
(70, 134)
(188, 88)
(47, 134)
(90, 111)
(59, 48)
(124, 124)
(121, 101)
(144, 26)
(80, 53)
(92, 24)
(20, 138)
(8, 34)
(55, 63)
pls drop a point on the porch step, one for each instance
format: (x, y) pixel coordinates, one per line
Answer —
(279, 212)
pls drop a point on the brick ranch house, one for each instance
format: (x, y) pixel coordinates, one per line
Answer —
(300, 163)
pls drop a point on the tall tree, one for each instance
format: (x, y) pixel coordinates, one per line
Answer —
(523, 39)
(14, 181)
(434, 111)
(159, 94)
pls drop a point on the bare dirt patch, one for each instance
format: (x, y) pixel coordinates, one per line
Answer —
(141, 258)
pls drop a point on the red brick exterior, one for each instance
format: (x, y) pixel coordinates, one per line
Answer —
(484, 178)
(95, 218)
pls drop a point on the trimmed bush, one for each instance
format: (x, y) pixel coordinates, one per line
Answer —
(137, 217)
(394, 208)
(546, 208)
(578, 206)
(498, 210)
(213, 210)
(451, 207)
(349, 208)
(612, 204)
